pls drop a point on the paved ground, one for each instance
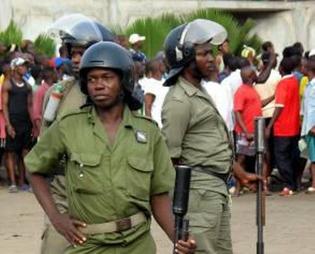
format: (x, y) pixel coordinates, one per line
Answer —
(290, 225)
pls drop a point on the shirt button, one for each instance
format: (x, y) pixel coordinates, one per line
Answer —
(81, 165)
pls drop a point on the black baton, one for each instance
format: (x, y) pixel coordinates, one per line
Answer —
(180, 202)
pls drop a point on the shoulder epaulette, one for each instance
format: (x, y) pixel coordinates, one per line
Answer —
(137, 115)
(72, 113)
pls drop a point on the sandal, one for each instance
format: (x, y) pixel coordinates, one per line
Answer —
(310, 190)
(286, 192)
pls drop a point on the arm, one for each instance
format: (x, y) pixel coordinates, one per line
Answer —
(148, 102)
(267, 100)
(175, 120)
(5, 102)
(162, 213)
(264, 74)
(39, 163)
(30, 102)
(275, 115)
(239, 120)
(247, 179)
(62, 222)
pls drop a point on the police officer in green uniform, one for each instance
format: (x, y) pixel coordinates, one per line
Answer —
(77, 33)
(197, 136)
(118, 170)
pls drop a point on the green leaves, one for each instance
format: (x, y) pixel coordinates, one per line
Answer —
(11, 35)
(156, 29)
(45, 45)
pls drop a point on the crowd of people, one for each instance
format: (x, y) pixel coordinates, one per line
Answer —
(249, 86)
(205, 102)
(242, 88)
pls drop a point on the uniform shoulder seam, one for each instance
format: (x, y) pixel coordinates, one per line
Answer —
(149, 119)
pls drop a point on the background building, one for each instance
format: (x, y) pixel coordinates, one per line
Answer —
(282, 22)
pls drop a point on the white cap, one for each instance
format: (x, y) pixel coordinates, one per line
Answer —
(135, 38)
(312, 53)
(18, 61)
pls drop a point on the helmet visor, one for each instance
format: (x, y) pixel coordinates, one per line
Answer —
(201, 31)
(75, 27)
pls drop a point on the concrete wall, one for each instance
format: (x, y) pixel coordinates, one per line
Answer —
(279, 21)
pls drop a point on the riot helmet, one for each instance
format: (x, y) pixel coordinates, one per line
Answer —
(79, 30)
(179, 44)
(112, 56)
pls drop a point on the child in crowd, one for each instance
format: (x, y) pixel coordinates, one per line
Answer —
(247, 106)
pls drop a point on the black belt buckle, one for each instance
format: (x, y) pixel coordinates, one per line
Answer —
(123, 224)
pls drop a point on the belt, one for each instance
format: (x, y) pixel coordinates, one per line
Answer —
(208, 170)
(114, 226)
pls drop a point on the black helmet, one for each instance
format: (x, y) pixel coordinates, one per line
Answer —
(79, 30)
(113, 56)
(179, 44)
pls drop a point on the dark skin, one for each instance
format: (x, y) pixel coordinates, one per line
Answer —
(194, 73)
(17, 76)
(249, 77)
(104, 89)
(265, 73)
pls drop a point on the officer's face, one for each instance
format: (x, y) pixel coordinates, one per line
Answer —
(76, 54)
(204, 59)
(104, 87)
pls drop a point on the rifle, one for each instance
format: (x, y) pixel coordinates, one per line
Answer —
(260, 197)
(180, 202)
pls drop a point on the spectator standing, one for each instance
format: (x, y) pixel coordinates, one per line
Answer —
(49, 78)
(286, 126)
(155, 92)
(247, 106)
(266, 90)
(308, 126)
(223, 49)
(136, 41)
(17, 109)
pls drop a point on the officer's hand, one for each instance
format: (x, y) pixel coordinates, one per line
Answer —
(186, 247)
(68, 227)
(247, 179)
(250, 180)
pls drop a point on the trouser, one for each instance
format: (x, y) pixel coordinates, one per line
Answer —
(209, 219)
(287, 154)
(52, 241)
(144, 244)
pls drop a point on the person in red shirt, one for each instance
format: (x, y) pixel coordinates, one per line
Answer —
(285, 123)
(247, 106)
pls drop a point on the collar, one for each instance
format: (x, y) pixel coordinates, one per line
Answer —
(189, 88)
(287, 76)
(127, 119)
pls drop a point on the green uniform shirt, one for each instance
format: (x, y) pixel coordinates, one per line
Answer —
(196, 133)
(106, 182)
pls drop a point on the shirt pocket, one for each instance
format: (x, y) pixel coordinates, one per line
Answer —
(84, 174)
(139, 177)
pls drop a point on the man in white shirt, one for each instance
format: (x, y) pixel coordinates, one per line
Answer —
(154, 91)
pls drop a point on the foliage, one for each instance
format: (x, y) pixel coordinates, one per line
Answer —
(156, 29)
(11, 35)
(45, 45)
